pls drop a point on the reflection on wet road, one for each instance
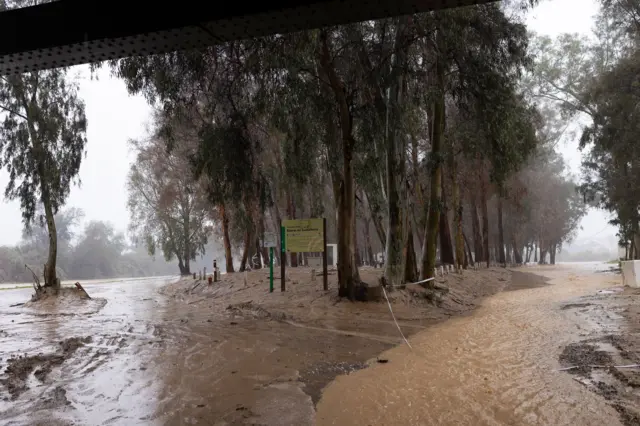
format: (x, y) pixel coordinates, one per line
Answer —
(106, 381)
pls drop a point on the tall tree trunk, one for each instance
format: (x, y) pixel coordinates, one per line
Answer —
(433, 215)
(376, 218)
(485, 224)
(552, 254)
(50, 278)
(517, 257)
(446, 247)
(348, 275)
(226, 239)
(245, 251)
(418, 192)
(259, 253)
(501, 256)
(187, 247)
(475, 228)
(457, 218)
(469, 256)
(263, 250)
(397, 228)
(181, 266)
(636, 243)
(291, 211)
(367, 241)
(535, 253)
(411, 266)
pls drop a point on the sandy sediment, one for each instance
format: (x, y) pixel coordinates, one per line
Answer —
(244, 355)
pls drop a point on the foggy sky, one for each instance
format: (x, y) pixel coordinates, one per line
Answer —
(114, 117)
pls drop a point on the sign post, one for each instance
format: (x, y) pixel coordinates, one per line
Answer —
(270, 241)
(325, 278)
(270, 269)
(306, 236)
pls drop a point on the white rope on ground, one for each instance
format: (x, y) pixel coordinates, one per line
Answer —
(600, 366)
(423, 281)
(394, 318)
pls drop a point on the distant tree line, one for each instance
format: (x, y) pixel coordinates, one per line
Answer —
(595, 81)
(97, 251)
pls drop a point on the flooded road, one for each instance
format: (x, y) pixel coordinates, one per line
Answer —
(105, 381)
(236, 355)
(495, 367)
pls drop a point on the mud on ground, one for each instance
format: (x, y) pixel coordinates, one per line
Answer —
(610, 340)
(242, 355)
(19, 369)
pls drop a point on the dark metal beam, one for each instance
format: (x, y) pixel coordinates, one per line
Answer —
(72, 32)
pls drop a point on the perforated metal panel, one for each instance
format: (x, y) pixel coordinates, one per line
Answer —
(71, 32)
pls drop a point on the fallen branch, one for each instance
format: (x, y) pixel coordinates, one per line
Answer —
(194, 287)
(36, 280)
(79, 287)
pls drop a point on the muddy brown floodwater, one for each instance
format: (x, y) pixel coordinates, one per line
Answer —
(495, 367)
(152, 353)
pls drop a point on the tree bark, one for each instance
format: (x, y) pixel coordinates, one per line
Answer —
(262, 250)
(50, 277)
(245, 251)
(291, 211)
(433, 215)
(394, 273)
(517, 257)
(367, 242)
(347, 270)
(501, 255)
(470, 260)
(411, 266)
(475, 228)
(226, 239)
(446, 247)
(552, 254)
(485, 225)
(181, 266)
(457, 218)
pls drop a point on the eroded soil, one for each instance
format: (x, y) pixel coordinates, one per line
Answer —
(605, 358)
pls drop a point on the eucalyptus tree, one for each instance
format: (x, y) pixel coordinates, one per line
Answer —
(42, 142)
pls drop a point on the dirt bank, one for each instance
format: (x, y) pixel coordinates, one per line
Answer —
(605, 357)
(242, 355)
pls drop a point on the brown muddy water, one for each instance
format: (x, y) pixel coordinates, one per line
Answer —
(145, 359)
(498, 366)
